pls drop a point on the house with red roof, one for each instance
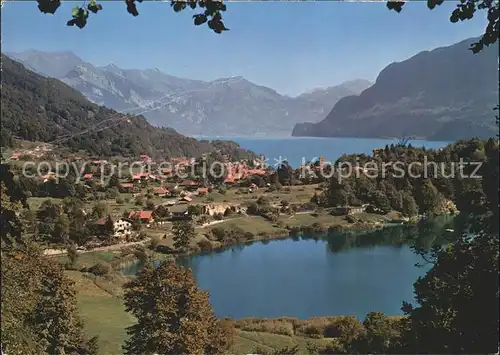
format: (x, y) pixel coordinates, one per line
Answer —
(189, 184)
(122, 227)
(161, 191)
(15, 155)
(202, 191)
(167, 172)
(127, 186)
(260, 172)
(145, 216)
(88, 176)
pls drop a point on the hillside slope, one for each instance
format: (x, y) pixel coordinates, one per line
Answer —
(444, 94)
(231, 106)
(36, 108)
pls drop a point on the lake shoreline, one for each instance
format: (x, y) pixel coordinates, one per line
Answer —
(287, 233)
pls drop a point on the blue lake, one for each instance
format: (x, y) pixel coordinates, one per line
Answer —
(299, 150)
(306, 277)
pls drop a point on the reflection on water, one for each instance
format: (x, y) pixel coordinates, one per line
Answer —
(348, 273)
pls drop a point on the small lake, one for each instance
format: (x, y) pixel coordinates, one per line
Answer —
(338, 274)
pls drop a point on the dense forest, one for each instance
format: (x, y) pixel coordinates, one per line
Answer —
(39, 109)
(415, 180)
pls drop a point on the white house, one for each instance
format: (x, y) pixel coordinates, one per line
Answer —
(122, 227)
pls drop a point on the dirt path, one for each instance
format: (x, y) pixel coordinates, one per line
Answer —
(221, 221)
(51, 252)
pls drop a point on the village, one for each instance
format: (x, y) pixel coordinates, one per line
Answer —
(143, 203)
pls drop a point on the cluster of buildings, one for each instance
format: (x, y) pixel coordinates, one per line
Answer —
(238, 171)
(36, 152)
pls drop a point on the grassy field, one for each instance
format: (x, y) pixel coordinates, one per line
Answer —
(104, 315)
(326, 219)
(102, 312)
(91, 258)
(99, 299)
(253, 224)
(297, 194)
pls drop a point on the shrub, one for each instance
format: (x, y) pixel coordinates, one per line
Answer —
(139, 200)
(218, 233)
(164, 249)
(227, 328)
(141, 255)
(271, 188)
(350, 219)
(153, 243)
(205, 245)
(253, 209)
(72, 257)
(202, 220)
(248, 236)
(317, 226)
(313, 331)
(101, 268)
(119, 201)
(345, 327)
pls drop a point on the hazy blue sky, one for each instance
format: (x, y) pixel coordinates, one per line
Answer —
(289, 46)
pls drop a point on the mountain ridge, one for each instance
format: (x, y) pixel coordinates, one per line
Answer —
(41, 109)
(232, 106)
(429, 95)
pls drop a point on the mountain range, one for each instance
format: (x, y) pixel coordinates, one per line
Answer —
(227, 106)
(40, 109)
(445, 94)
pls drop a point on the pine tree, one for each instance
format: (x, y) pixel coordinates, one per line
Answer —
(11, 204)
(410, 207)
(428, 199)
(55, 316)
(72, 257)
(109, 227)
(39, 314)
(113, 181)
(39, 310)
(173, 315)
